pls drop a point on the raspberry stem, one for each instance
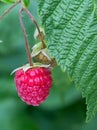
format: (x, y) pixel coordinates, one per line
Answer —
(25, 38)
(34, 21)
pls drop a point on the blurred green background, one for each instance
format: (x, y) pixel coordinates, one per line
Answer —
(63, 110)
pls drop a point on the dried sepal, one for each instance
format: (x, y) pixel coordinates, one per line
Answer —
(37, 35)
(42, 55)
(27, 66)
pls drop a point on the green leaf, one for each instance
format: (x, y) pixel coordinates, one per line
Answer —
(71, 34)
(26, 3)
(8, 1)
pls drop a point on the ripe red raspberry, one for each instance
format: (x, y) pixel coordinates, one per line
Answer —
(33, 85)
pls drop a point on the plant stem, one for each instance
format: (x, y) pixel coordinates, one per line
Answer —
(34, 21)
(26, 40)
(9, 9)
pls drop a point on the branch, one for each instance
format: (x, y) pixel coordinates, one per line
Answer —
(9, 9)
(34, 21)
(25, 38)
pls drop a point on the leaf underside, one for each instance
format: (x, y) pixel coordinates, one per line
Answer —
(71, 34)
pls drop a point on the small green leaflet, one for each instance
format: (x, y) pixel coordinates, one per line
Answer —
(26, 3)
(95, 7)
(71, 34)
(8, 1)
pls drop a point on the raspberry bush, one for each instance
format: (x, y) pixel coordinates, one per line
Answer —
(70, 36)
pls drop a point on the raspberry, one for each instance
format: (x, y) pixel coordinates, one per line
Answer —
(33, 85)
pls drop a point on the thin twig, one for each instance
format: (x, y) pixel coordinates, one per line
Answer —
(34, 21)
(25, 38)
(9, 9)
